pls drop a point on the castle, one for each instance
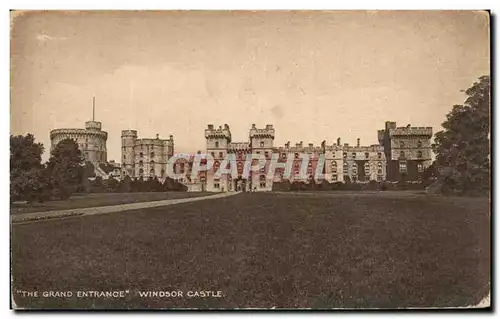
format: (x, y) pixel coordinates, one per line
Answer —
(146, 157)
(402, 153)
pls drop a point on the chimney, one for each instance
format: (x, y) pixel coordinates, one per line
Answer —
(157, 136)
(338, 141)
(253, 125)
(210, 126)
(171, 137)
(311, 144)
(226, 126)
(269, 127)
(357, 142)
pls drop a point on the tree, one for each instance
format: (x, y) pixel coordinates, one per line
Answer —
(65, 169)
(26, 169)
(462, 148)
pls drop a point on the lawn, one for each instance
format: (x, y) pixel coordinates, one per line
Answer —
(265, 250)
(100, 199)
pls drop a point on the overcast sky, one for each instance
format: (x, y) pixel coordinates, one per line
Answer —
(314, 75)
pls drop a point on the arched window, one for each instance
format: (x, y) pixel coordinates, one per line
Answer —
(419, 154)
(379, 168)
(419, 144)
(401, 144)
(355, 168)
(402, 154)
(334, 167)
(152, 162)
(367, 168)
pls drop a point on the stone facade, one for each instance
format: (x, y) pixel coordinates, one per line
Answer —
(145, 157)
(91, 141)
(407, 149)
(401, 151)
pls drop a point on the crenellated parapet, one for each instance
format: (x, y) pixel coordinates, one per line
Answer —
(222, 132)
(267, 132)
(77, 132)
(425, 132)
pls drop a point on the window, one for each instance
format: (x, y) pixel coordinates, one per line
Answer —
(140, 163)
(420, 167)
(334, 178)
(379, 155)
(124, 157)
(333, 154)
(213, 154)
(367, 169)
(419, 144)
(262, 144)
(353, 155)
(221, 155)
(334, 167)
(141, 155)
(262, 169)
(283, 155)
(216, 184)
(402, 167)
(402, 154)
(379, 168)
(310, 164)
(296, 155)
(152, 162)
(162, 173)
(379, 178)
(152, 171)
(152, 154)
(262, 182)
(141, 171)
(367, 155)
(401, 144)
(354, 168)
(345, 155)
(346, 167)
(216, 144)
(266, 154)
(419, 154)
(296, 164)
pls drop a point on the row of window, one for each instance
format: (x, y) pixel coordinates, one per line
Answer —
(402, 144)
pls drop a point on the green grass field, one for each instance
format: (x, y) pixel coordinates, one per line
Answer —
(321, 250)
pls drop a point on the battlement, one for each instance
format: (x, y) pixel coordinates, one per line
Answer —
(129, 133)
(220, 132)
(408, 131)
(239, 146)
(267, 132)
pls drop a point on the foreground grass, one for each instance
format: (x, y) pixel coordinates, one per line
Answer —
(265, 250)
(100, 199)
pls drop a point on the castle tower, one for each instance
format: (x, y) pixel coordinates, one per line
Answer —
(261, 141)
(407, 150)
(91, 141)
(218, 141)
(129, 138)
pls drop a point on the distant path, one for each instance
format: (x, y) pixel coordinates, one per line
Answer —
(79, 212)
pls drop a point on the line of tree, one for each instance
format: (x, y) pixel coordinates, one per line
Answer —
(462, 148)
(65, 173)
(324, 185)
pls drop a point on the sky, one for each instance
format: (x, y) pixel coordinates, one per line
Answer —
(314, 75)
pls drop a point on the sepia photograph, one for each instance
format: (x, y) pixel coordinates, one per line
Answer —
(250, 160)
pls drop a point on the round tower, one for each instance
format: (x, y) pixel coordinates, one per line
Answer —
(129, 138)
